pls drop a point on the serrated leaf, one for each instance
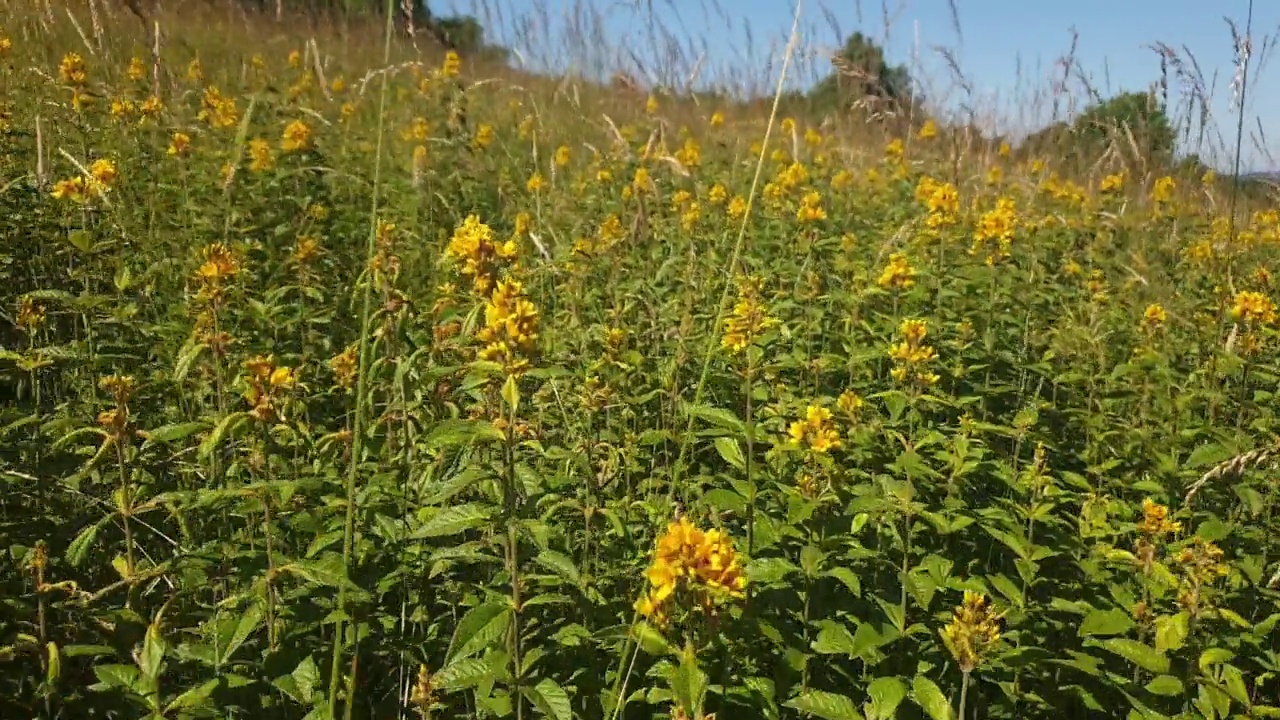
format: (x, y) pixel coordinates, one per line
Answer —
(731, 452)
(1165, 685)
(927, 694)
(53, 660)
(1105, 622)
(826, 705)
(849, 578)
(193, 698)
(1140, 654)
(478, 628)
(328, 570)
(221, 431)
(718, 417)
(453, 520)
(1172, 631)
(886, 693)
(550, 699)
(769, 570)
(560, 564)
(462, 674)
(176, 431)
(244, 627)
(80, 545)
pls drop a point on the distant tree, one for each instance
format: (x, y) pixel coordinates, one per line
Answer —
(860, 70)
(1136, 114)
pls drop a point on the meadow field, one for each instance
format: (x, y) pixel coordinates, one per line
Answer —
(345, 376)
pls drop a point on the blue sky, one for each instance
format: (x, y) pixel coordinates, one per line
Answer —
(1007, 50)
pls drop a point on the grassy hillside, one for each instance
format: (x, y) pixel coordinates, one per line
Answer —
(344, 378)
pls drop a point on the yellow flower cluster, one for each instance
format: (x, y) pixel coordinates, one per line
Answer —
(816, 431)
(1154, 317)
(1254, 308)
(911, 354)
(267, 383)
(121, 389)
(31, 314)
(297, 136)
(1112, 184)
(898, 274)
(996, 228)
(811, 208)
(973, 629)
(941, 199)
(749, 318)
(705, 563)
(345, 366)
(96, 183)
(73, 70)
(216, 110)
(484, 259)
(510, 331)
(1155, 519)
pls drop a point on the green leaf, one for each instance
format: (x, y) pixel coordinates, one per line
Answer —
(929, 697)
(115, 675)
(453, 433)
(1171, 631)
(718, 417)
(225, 427)
(769, 570)
(560, 564)
(834, 639)
(1165, 685)
(244, 627)
(83, 541)
(462, 674)
(1206, 455)
(328, 570)
(550, 699)
(193, 698)
(453, 520)
(826, 705)
(651, 639)
(478, 628)
(54, 660)
(1142, 655)
(511, 394)
(887, 693)
(1105, 622)
(731, 452)
(849, 578)
(1214, 656)
(153, 652)
(170, 433)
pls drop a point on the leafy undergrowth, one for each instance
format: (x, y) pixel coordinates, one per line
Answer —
(383, 390)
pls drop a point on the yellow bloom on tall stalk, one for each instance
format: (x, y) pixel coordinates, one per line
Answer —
(562, 156)
(295, 58)
(717, 119)
(484, 136)
(811, 208)
(483, 258)
(928, 131)
(749, 318)
(297, 136)
(651, 105)
(1154, 317)
(690, 155)
(216, 110)
(703, 563)
(73, 70)
(816, 431)
(452, 65)
(973, 629)
(898, 274)
(179, 144)
(104, 173)
(510, 331)
(6, 45)
(1162, 191)
(1253, 308)
(1155, 519)
(535, 182)
(1112, 184)
(911, 354)
(260, 157)
(30, 316)
(995, 231)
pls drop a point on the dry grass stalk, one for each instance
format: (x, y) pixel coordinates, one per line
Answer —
(1232, 468)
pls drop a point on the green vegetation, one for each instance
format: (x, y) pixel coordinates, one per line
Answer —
(344, 378)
